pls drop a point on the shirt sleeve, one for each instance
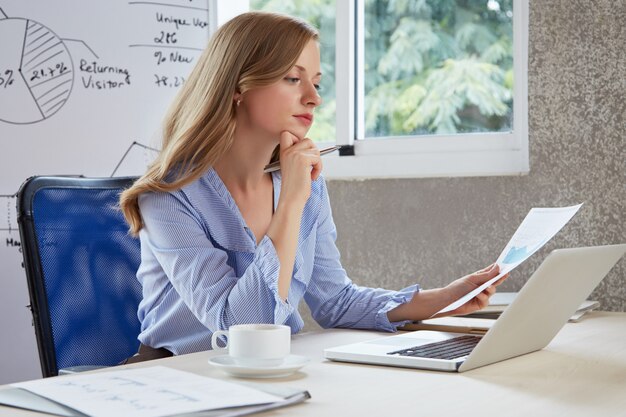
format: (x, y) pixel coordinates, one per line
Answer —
(334, 300)
(199, 271)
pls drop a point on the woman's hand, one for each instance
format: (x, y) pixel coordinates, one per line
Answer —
(468, 283)
(296, 159)
(426, 303)
(300, 163)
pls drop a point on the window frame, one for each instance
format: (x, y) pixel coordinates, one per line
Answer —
(457, 155)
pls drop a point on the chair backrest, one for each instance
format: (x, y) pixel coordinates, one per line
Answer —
(81, 266)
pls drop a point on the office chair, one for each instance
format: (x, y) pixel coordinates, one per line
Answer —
(80, 266)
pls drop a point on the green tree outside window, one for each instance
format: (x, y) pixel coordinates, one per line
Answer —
(431, 66)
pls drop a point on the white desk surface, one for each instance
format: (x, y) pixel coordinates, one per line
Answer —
(581, 373)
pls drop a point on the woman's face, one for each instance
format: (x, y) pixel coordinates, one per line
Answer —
(289, 103)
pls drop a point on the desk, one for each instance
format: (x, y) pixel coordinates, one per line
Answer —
(581, 373)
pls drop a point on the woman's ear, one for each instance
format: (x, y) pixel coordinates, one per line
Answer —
(237, 98)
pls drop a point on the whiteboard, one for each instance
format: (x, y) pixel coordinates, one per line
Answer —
(84, 85)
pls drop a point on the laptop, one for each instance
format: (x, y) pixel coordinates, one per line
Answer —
(542, 307)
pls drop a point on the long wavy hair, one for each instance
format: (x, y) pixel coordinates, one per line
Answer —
(252, 50)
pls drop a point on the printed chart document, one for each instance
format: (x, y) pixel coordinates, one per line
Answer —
(145, 392)
(537, 228)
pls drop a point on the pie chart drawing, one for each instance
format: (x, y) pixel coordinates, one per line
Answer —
(36, 71)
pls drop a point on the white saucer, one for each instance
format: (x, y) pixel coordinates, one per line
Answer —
(291, 364)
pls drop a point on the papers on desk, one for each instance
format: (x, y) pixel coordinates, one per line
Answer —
(145, 392)
(537, 228)
(501, 300)
(481, 321)
(453, 324)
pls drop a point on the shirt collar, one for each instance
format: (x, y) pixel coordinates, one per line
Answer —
(221, 214)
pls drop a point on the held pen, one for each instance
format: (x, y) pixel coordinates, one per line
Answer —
(275, 166)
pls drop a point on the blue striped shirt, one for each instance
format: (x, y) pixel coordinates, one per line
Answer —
(202, 270)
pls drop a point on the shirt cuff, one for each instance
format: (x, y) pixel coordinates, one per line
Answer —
(267, 261)
(400, 297)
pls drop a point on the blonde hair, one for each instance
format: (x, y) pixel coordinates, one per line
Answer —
(252, 50)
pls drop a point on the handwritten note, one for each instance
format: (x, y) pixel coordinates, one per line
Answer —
(145, 392)
(168, 37)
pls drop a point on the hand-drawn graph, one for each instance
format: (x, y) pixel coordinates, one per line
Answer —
(37, 77)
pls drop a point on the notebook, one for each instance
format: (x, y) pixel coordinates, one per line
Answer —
(542, 307)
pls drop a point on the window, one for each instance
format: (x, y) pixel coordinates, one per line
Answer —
(437, 67)
(425, 88)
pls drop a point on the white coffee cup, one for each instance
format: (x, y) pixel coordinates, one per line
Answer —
(258, 345)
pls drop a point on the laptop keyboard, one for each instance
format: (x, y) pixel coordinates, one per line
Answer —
(446, 349)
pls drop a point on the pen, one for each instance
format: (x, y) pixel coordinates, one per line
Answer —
(275, 166)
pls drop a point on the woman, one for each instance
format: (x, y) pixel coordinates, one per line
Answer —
(224, 243)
